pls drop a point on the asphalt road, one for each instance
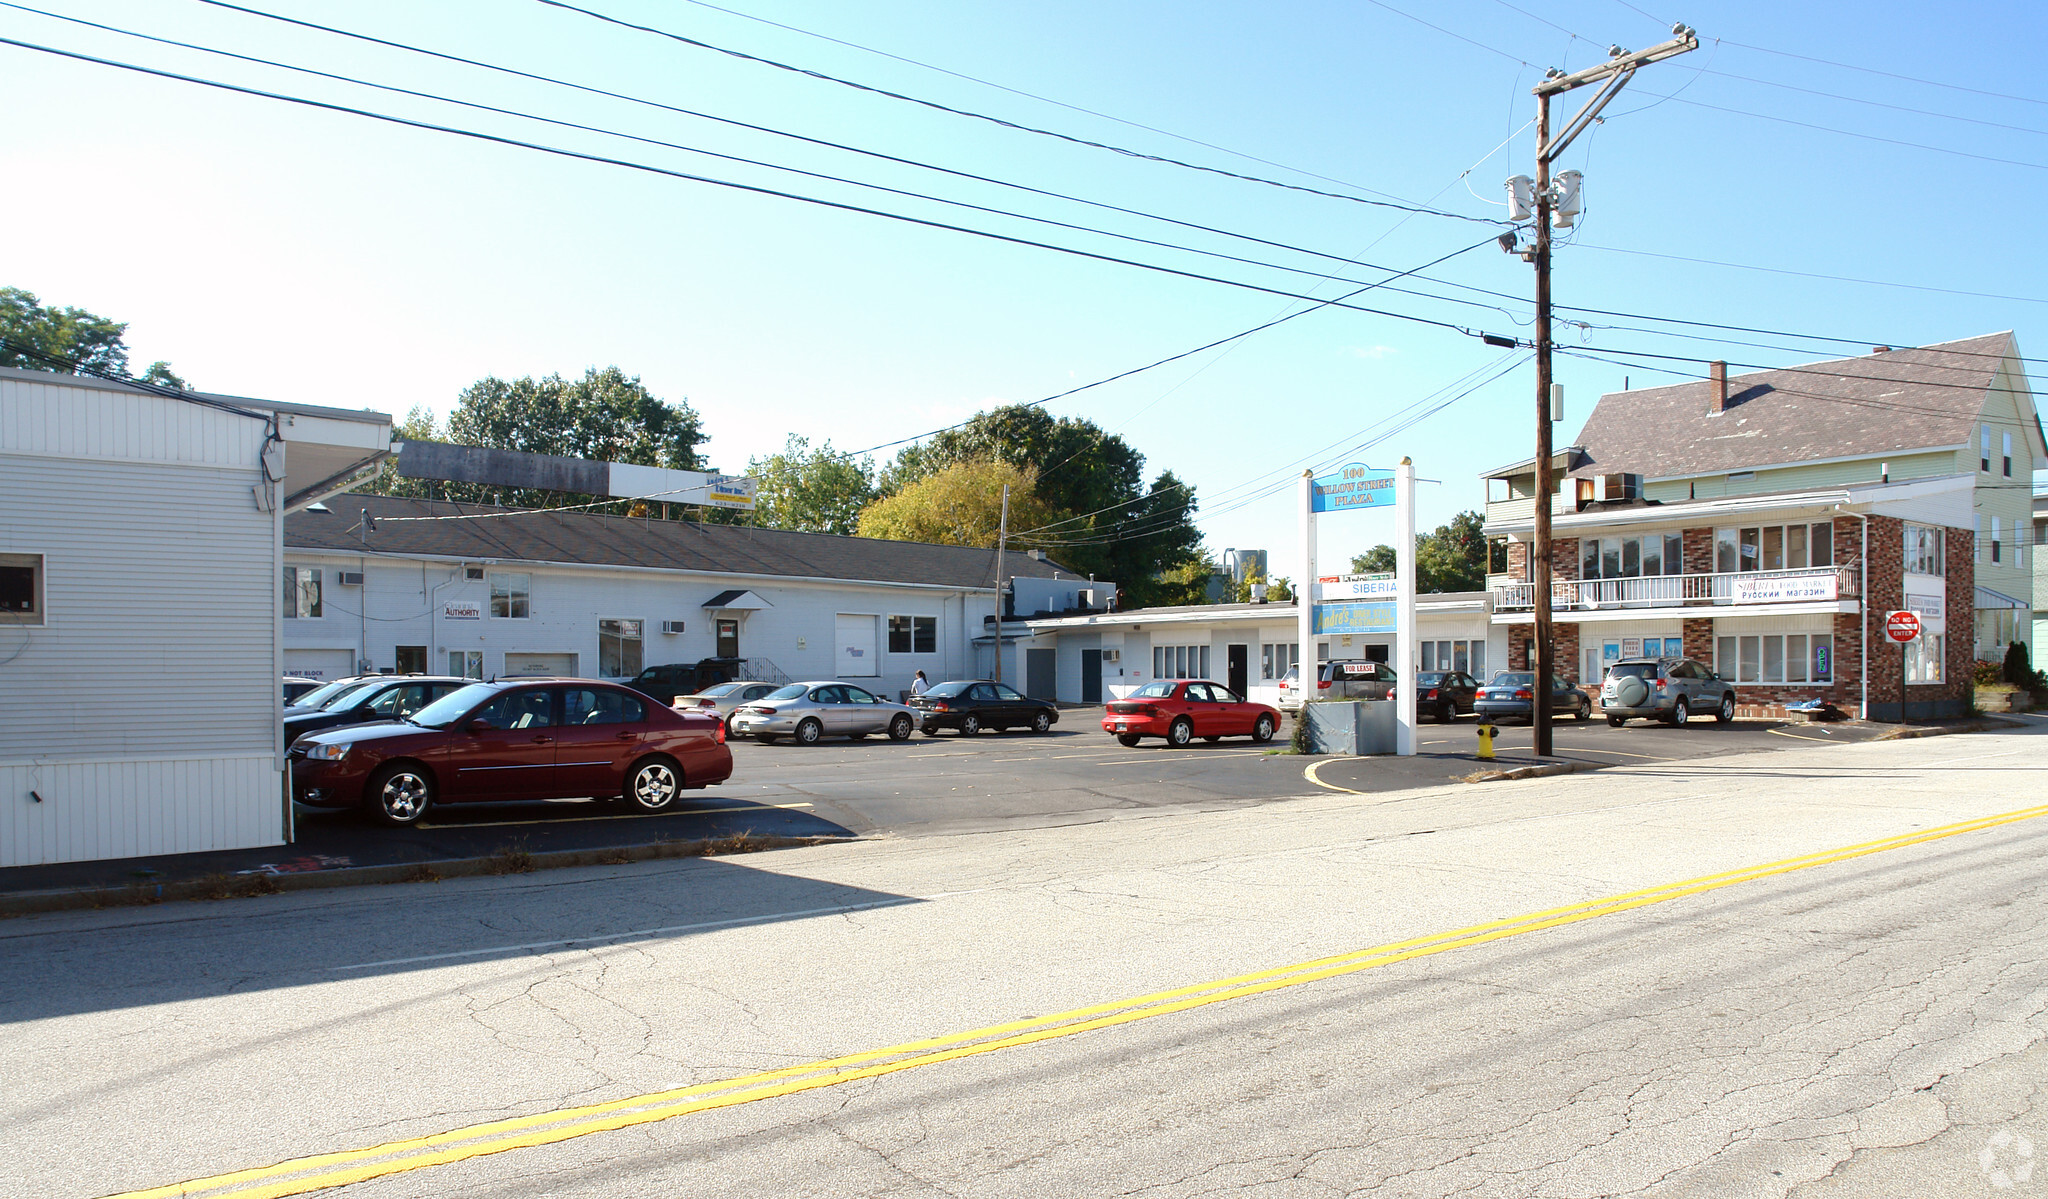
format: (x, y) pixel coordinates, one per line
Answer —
(1578, 986)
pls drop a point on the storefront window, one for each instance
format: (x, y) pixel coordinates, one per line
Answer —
(1923, 658)
(618, 648)
(1776, 658)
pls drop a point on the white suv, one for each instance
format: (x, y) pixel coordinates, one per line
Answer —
(1346, 678)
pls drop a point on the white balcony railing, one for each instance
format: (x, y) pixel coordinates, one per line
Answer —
(1685, 591)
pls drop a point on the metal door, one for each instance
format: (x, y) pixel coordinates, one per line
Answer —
(728, 637)
(1238, 659)
(1091, 676)
(1041, 674)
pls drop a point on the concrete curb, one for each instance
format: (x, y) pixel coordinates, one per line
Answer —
(243, 886)
(1528, 772)
(1975, 726)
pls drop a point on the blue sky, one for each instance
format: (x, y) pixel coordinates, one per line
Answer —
(270, 250)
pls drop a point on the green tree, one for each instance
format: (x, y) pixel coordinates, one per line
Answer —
(1278, 591)
(813, 490)
(31, 335)
(1452, 558)
(1184, 582)
(1105, 521)
(960, 505)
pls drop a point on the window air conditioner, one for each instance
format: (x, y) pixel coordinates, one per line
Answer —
(351, 578)
(1112, 655)
(671, 626)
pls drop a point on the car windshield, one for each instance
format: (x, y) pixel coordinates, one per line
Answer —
(1429, 678)
(950, 690)
(1158, 690)
(321, 694)
(1510, 678)
(793, 691)
(722, 689)
(1293, 675)
(1637, 670)
(348, 695)
(444, 712)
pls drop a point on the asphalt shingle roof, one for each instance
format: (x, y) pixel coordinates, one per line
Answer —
(590, 539)
(1883, 403)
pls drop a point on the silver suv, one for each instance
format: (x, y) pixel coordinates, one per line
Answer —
(1346, 678)
(1666, 689)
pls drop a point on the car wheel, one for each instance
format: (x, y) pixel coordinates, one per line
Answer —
(1680, 712)
(1585, 712)
(1179, 733)
(1615, 722)
(1447, 713)
(653, 785)
(1128, 739)
(1262, 730)
(899, 729)
(808, 732)
(1042, 723)
(970, 724)
(1727, 712)
(400, 794)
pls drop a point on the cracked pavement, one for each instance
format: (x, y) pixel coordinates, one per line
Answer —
(1858, 1029)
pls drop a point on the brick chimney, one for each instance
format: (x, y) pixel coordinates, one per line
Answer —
(1717, 372)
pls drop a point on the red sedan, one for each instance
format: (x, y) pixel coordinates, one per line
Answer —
(516, 739)
(1182, 711)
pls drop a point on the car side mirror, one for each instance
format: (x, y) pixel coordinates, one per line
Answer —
(477, 726)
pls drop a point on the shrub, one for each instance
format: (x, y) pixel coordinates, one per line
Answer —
(1986, 673)
(2018, 671)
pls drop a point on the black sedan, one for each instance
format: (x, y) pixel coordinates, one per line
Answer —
(1444, 694)
(396, 698)
(1513, 694)
(971, 705)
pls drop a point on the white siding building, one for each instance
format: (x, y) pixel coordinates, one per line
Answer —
(484, 591)
(140, 548)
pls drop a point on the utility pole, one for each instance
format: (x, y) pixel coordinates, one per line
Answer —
(1562, 204)
(1002, 536)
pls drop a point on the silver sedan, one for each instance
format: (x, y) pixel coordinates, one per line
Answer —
(724, 699)
(809, 712)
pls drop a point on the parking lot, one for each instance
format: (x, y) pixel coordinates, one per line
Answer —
(1075, 774)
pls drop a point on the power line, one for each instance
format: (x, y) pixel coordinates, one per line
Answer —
(1957, 87)
(1946, 116)
(755, 189)
(1043, 99)
(1871, 137)
(607, 132)
(999, 121)
(1743, 266)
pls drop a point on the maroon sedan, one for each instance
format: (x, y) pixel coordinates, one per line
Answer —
(1182, 711)
(515, 739)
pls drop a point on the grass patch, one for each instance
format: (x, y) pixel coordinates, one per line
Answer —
(510, 859)
(421, 873)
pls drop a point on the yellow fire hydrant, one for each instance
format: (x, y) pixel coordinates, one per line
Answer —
(1486, 733)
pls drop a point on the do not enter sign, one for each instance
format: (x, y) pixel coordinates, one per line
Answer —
(1902, 626)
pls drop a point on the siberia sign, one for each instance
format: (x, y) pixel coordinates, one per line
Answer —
(1902, 626)
(1353, 486)
(1778, 589)
(1355, 605)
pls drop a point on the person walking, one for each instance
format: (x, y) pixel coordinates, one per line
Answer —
(919, 685)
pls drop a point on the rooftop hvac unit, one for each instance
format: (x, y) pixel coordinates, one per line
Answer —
(1084, 598)
(351, 578)
(671, 626)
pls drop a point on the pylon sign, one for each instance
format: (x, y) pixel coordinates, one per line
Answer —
(1353, 486)
(1374, 605)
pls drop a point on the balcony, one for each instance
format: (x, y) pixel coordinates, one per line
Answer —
(1823, 584)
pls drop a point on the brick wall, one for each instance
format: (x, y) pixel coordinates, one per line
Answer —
(1959, 606)
(1518, 561)
(1699, 554)
(1564, 558)
(1564, 649)
(1699, 638)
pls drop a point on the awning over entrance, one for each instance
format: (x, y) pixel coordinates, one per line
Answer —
(1987, 598)
(736, 601)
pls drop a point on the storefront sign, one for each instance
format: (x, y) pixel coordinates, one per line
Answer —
(1778, 589)
(462, 610)
(1352, 619)
(1354, 486)
(1349, 587)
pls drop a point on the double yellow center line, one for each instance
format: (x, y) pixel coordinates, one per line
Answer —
(299, 1175)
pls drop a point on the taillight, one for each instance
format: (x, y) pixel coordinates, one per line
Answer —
(707, 703)
(1525, 693)
(1660, 684)
(1147, 710)
(721, 732)
(939, 705)
(1430, 694)
(1322, 684)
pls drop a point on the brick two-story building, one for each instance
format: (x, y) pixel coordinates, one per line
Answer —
(1765, 523)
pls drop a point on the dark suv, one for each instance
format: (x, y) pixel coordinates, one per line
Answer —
(665, 683)
(1666, 689)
